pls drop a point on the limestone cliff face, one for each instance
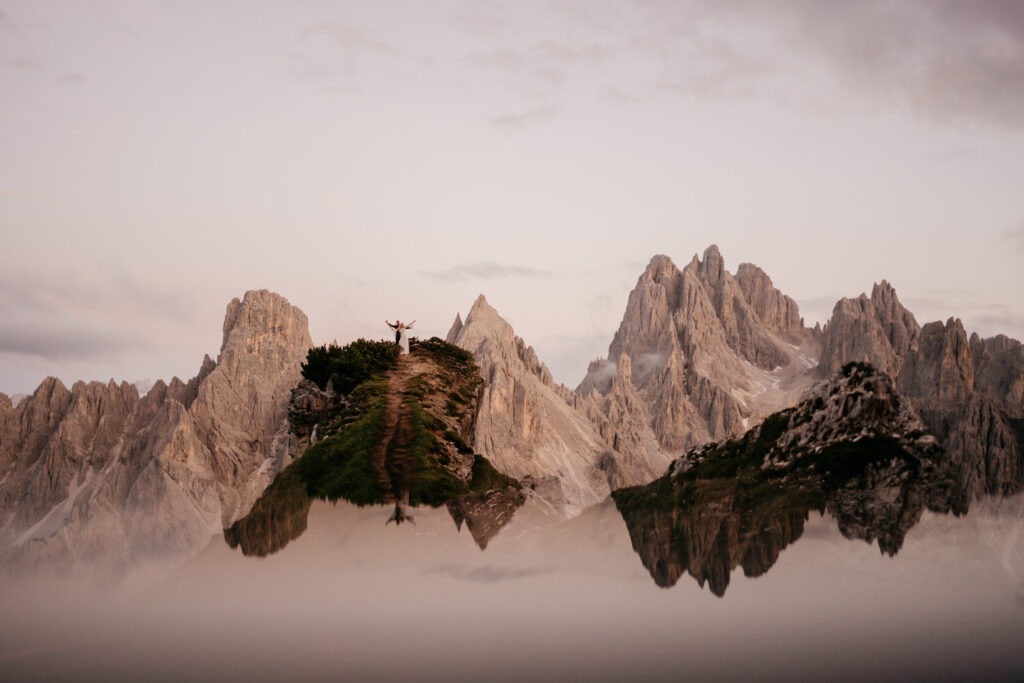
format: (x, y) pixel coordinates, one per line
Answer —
(97, 475)
(776, 311)
(525, 425)
(623, 421)
(699, 356)
(710, 353)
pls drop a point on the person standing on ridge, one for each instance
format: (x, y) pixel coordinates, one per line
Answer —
(401, 336)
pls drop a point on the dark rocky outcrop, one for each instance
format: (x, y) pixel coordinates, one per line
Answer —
(854, 449)
(969, 391)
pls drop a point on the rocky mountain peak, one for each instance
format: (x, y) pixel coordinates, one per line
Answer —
(484, 326)
(778, 312)
(712, 266)
(700, 342)
(454, 330)
(942, 367)
(877, 330)
(527, 425)
(98, 472)
(659, 269)
(263, 324)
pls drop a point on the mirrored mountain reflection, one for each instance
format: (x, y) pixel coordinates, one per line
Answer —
(392, 434)
(854, 449)
(485, 513)
(280, 516)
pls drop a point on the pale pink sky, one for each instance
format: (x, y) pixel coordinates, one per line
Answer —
(381, 160)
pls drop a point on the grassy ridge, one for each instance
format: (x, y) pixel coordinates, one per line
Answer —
(341, 465)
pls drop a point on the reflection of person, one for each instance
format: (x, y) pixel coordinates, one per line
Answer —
(401, 337)
(400, 515)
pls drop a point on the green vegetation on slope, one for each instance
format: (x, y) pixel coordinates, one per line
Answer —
(425, 452)
(740, 464)
(341, 466)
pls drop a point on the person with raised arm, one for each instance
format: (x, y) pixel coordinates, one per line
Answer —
(401, 336)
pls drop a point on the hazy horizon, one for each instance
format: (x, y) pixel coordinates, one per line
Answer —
(398, 159)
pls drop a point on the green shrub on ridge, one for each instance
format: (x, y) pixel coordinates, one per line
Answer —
(348, 366)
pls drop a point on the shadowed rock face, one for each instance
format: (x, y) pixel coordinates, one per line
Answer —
(969, 394)
(98, 476)
(968, 391)
(876, 330)
(853, 449)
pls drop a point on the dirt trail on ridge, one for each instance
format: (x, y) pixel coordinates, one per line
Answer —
(392, 455)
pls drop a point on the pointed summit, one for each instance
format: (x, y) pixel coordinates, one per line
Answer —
(660, 268)
(878, 330)
(453, 331)
(713, 265)
(700, 342)
(480, 303)
(525, 425)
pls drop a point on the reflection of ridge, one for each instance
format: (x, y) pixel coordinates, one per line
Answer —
(280, 516)
(708, 527)
(854, 448)
(277, 518)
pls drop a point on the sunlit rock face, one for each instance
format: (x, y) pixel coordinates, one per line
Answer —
(700, 356)
(709, 354)
(527, 425)
(97, 476)
(854, 449)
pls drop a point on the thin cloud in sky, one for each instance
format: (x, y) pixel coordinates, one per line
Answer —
(480, 16)
(1015, 238)
(65, 339)
(948, 60)
(71, 78)
(485, 270)
(528, 117)
(74, 317)
(20, 62)
(348, 37)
